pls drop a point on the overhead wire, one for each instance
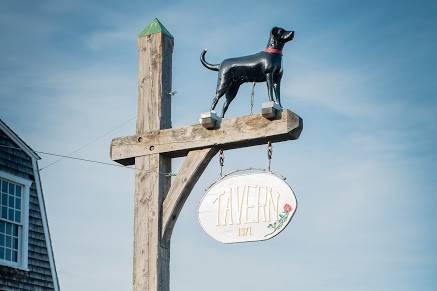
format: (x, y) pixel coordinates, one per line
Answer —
(87, 160)
(82, 159)
(88, 143)
(69, 157)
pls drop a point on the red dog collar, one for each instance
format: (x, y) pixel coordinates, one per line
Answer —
(273, 51)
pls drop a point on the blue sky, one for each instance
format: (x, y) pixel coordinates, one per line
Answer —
(362, 74)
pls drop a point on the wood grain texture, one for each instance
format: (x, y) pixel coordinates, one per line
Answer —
(233, 133)
(154, 82)
(191, 170)
(151, 254)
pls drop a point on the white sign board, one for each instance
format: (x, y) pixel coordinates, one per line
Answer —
(247, 207)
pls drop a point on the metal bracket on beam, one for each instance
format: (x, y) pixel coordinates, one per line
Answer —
(270, 109)
(210, 120)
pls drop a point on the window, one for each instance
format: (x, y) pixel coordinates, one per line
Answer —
(13, 222)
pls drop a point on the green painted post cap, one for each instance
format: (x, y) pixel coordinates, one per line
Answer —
(155, 26)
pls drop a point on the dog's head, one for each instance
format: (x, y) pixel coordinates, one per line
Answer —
(279, 36)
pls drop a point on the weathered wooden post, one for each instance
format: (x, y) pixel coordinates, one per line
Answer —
(151, 252)
(158, 200)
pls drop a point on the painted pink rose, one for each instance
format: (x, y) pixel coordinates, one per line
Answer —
(288, 208)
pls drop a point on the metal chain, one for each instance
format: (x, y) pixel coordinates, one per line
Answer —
(269, 153)
(252, 97)
(221, 161)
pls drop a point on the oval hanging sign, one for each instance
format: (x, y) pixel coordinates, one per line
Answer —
(247, 207)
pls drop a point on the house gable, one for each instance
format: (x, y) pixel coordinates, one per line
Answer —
(17, 159)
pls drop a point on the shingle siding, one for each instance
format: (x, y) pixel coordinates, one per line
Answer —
(39, 276)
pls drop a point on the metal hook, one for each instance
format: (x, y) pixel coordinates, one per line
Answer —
(252, 97)
(269, 153)
(221, 161)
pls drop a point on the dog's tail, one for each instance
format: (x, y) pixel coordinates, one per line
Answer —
(206, 64)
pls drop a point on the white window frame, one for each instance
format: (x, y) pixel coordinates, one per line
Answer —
(23, 243)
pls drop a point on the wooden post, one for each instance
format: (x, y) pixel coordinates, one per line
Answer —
(151, 252)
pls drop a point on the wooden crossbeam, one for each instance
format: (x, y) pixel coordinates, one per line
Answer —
(233, 133)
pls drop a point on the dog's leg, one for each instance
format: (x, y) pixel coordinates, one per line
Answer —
(230, 95)
(277, 88)
(225, 107)
(269, 82)
(220, 91)
(216, 99)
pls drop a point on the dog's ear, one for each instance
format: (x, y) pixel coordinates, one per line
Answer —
(275, 31)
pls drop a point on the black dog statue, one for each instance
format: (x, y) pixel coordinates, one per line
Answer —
(264, 66)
